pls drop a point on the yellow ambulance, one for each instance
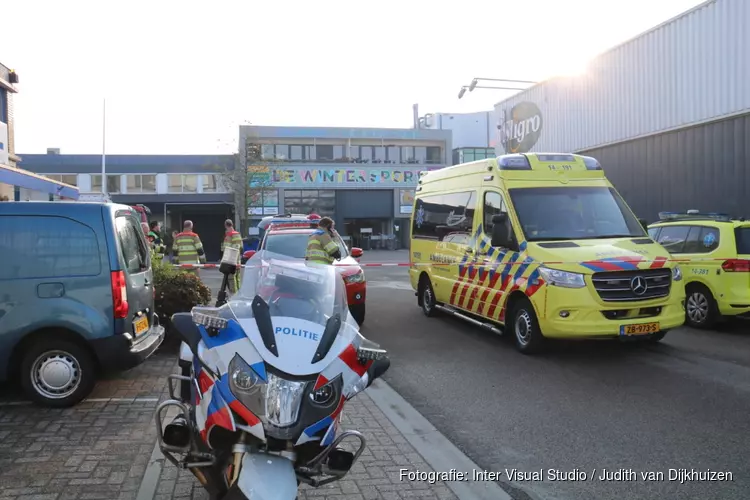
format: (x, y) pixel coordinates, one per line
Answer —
(539, 246)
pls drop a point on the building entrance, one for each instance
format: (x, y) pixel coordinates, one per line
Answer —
(368, 234)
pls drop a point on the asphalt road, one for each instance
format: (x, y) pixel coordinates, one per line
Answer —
(681, 404)
(684, 403)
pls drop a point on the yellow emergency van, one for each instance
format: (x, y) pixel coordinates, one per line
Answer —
(543, 246)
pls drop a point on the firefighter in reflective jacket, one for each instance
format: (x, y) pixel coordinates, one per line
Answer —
(232, 239)
(188, 248)
(321, 246)
(158, 248)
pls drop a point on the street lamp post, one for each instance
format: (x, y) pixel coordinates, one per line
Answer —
(475, 85)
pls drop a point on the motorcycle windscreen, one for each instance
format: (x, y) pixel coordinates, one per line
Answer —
(294, 312)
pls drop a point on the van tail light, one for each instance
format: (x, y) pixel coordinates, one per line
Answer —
(119, 295)
(736, 266)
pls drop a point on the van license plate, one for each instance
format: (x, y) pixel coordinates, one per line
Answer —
(140, 326)
(639, 329)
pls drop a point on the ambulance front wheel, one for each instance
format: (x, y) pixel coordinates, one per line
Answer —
(524, 326)
(427, 297)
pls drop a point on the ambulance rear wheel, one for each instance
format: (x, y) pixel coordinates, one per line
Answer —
(427, 297)
(524, 326)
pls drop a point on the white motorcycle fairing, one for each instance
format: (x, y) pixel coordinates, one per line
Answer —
(267, 477)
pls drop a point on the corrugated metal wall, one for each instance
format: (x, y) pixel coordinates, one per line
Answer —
(706, 167)
(692, 69)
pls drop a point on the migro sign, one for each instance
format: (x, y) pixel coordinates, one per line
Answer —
(520, 131)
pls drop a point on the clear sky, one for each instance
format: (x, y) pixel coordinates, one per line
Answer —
(180, 76)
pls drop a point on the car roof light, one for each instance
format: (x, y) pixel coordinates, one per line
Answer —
(694, 215)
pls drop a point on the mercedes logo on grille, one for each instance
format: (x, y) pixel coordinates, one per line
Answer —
(638, 285)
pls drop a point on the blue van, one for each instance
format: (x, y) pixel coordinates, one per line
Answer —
(76, 296)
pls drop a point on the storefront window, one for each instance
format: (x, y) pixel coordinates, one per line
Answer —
(141, 183)
(295, 153)
(393, 154)
(407, 154)
(282, 152)
(434, 155)
(113, 183)
(263, 202)
(266, 152)
(211, 183)
(406, 200)
(308, 201)
(179, 183)
(71, 179)
(379, 154)
(354, 152)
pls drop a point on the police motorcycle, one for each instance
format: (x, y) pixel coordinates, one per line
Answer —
(265, 377)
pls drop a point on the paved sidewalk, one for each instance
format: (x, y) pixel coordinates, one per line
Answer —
(98, 449)
(374, 477)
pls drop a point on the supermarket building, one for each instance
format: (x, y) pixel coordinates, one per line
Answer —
(667, 114)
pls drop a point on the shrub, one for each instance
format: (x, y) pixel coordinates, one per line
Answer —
(176, 291)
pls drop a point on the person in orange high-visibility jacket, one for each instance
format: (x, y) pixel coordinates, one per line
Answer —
(232, 239)
(187, 247)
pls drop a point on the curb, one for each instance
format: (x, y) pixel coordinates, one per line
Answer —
(436, 449)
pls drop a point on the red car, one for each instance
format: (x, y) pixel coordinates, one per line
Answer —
(288, 236)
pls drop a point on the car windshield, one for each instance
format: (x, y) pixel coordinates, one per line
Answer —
(294, 244)
(573, 213)
(742, 235)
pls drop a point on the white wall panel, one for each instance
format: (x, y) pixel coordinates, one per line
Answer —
(691, 69)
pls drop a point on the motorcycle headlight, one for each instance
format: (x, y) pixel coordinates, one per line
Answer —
(276, 401)
(563, 279)
(676, 273)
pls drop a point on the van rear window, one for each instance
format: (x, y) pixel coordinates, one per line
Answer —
(47, 247)
(742, 236)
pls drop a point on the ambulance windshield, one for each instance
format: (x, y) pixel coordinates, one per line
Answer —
(573, 213)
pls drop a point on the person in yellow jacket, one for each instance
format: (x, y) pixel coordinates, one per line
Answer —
(158, 248)
(232, 239)
(187, 247)
(322, 247)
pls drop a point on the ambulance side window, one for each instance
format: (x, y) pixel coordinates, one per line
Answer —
(493, 205)
(441, 215)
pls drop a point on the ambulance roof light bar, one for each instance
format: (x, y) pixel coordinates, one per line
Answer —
(591, 163)
(513, 162)
(694, 215)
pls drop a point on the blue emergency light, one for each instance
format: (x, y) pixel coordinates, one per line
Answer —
(695, 215)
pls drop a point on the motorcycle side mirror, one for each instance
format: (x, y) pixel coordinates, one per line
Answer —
(357, 252)
(248, 255)
(333, 325)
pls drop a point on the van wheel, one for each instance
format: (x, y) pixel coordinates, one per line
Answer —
(701, 310)
(524, 325)
(427, 298)
(57, 373)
